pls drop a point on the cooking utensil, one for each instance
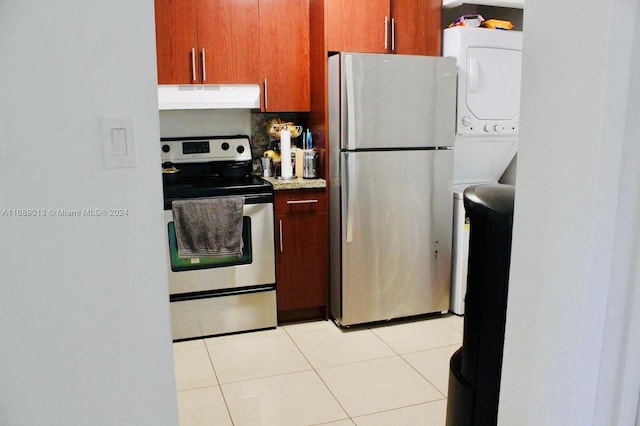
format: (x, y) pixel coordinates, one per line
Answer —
(310, 167)
(169, 172)
(267, 166)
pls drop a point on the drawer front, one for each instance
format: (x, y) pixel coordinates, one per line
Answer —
(225, 314)
(308, 201)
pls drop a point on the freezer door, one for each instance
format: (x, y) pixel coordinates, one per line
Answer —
(396, 234)
(397, 101)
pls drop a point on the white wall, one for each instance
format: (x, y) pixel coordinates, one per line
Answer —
(571, 339)
(205, 123)
(84, 315)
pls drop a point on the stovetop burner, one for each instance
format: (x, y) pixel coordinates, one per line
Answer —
(213, 186)
(209, 167)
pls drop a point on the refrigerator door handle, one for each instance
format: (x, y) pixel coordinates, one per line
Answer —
(351, 122)
(350, 175)
(473, 74)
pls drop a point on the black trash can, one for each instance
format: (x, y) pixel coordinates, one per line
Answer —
(475, 369)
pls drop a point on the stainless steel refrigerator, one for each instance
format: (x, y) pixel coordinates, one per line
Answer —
(391, 134)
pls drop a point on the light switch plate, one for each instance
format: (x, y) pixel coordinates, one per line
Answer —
(118, 142)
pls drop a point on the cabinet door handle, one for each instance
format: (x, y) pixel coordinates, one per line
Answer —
(386, 32)
(193, 64)
(266, 95)
(302, 201)
(204, 66)
(393, 35)
(281, 236)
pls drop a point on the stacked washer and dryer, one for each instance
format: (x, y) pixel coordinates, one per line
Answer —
(488, 109)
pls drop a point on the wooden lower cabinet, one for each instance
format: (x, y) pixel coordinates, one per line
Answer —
(302, 246)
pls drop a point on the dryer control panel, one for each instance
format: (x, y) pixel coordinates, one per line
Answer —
(468, 125)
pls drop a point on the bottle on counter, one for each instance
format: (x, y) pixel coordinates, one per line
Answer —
(298, 154)
(310, 158)
(310, 167)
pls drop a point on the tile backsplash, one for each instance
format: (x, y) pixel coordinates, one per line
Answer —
(206, 122)
(260, 139)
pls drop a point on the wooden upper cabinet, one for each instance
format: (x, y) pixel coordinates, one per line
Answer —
(237, 42)
(176, 40)
(284, 55)
(358, 25)
(207, 41)
(416, 25)
(228, 41)
(410, 27)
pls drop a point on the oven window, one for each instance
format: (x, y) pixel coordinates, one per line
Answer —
(179, 264)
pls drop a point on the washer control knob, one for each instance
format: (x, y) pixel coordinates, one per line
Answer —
(224, 146)
(466, 120)
(240, 149)
(166, 148)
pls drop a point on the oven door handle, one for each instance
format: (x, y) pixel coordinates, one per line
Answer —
(248, 199)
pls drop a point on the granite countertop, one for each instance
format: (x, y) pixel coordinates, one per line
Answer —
(295, 183)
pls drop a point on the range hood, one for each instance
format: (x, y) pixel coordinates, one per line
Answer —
(208, 96)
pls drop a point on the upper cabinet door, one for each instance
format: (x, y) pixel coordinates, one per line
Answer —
(207, 41)
(416, 27)
(410, 27)
(359, 26)
(284, 54)
(176, 41)
(228, 41)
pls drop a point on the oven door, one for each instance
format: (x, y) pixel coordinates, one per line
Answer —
(255, 267)
(213, 296)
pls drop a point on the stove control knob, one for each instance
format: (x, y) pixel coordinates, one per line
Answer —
(166, 148)
(224, 146)
(240, 149)
(497, 128)
(488, 128)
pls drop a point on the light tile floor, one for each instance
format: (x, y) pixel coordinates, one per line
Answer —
(318, 374)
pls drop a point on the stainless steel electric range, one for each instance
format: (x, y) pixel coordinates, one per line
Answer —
(213, 295)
